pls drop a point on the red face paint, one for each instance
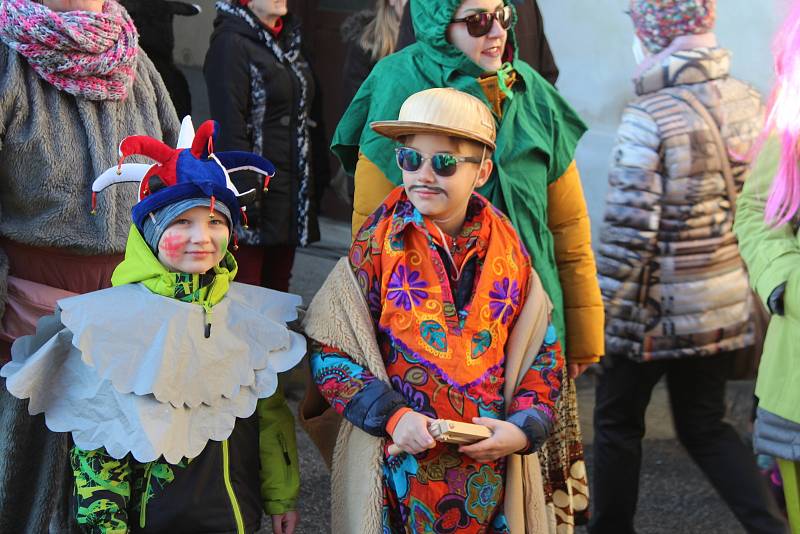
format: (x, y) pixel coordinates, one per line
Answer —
(193, 243)
(172, 246)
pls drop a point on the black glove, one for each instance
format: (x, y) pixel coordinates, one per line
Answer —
(775, 300)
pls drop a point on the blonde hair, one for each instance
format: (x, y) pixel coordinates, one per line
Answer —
(471, 147)
(467, 147)
(380, 35)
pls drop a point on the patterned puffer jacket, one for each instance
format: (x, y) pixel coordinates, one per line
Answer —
(670, 272)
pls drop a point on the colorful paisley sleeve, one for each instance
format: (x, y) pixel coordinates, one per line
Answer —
(102, 489)
(533, 405)
(353, 391)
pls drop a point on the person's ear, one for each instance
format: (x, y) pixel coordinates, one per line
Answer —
(484, 172)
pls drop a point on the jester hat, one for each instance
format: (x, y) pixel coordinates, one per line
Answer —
(192, 170)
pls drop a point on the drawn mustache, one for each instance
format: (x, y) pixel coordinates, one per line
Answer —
(428, 188)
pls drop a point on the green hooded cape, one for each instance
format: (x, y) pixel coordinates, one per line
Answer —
(536, 137)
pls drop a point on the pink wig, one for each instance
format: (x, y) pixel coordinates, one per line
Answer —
(783, 119)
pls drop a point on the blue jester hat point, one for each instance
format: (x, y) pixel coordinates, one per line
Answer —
(183, 173)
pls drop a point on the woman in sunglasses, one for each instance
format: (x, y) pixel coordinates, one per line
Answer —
(469, 45)
(532, 44)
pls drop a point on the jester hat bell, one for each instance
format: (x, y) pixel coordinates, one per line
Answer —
(192, 170)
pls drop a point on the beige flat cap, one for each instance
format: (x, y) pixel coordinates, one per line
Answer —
(443, 111)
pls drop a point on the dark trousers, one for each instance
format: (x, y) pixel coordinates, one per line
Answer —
(697, 396)
(265, 266)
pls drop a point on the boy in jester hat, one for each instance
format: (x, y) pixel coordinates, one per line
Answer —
(177, 421)
(461, 331)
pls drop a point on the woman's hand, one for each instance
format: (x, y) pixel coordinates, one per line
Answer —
(285, 523)
(577, 369)
(411, 433)
(507, 438)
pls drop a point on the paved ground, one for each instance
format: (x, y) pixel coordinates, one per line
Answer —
(674, 495)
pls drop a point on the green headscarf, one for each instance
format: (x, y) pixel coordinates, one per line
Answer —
(536, 137)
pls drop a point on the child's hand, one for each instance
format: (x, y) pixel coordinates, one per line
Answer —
(507, 438)
(285, 523)
(411, 433)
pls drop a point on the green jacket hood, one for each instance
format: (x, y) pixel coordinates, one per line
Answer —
(142, 266)
(431, 20)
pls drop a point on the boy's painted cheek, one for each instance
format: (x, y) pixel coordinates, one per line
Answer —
(222, 245)
(172, 245)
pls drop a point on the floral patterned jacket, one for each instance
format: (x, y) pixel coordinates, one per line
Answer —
(443, 312)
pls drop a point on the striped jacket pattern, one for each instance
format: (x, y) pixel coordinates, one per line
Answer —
(670, 273)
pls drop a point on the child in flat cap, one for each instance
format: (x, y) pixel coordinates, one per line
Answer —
(170, 411)
(436, 314)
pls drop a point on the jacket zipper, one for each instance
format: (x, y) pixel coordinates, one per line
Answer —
(226, 475)
(644, 285)
(450, 255)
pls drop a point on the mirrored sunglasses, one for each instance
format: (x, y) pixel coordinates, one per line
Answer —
(480, 24)
(443, 164)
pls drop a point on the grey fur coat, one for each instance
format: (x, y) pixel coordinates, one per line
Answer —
(52, 146)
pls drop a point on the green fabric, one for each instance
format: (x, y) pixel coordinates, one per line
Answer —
(102, 491)
(790, 474)
(503, 74)
(772, 256)
(536, 138)
(280, 468)
(150, 478)
(107, 489)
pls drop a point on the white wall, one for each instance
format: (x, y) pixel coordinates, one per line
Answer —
(591, 41)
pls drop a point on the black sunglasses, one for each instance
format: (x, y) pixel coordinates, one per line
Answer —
(480, 24)
(442, 163)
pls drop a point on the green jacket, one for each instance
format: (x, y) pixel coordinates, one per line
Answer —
(536, 137)
(226, 487)
(772, 256)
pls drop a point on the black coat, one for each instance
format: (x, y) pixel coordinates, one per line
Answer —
(255, 97)
(197, 500)
(194, 497)
(358, 62)
(153, 19)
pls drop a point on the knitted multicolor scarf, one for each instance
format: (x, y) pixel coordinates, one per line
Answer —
(86, 54)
